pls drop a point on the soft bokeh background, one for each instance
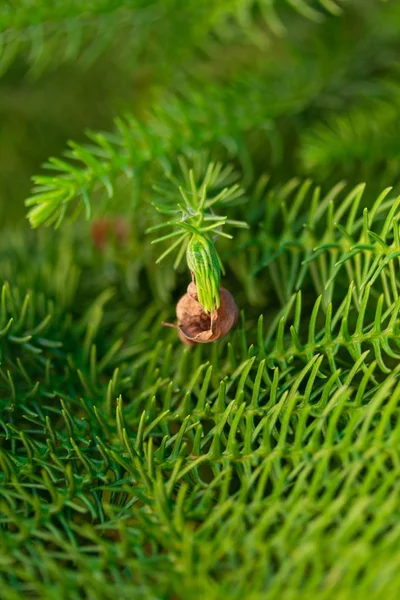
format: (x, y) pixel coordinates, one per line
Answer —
(332, 95)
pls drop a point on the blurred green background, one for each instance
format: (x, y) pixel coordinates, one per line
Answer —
(332, 95)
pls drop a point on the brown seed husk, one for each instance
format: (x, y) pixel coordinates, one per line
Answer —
(197, 326)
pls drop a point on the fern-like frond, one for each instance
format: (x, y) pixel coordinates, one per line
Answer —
(259, 438)
(349, 140)
(333, 234)
(47, 34)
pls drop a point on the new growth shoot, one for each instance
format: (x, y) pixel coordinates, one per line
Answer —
(196, 226)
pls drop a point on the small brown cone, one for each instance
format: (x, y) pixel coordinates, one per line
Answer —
(197, 326)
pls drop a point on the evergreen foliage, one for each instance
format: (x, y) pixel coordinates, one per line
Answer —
(263, 465)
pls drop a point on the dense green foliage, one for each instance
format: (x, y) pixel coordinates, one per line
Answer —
(263, 465)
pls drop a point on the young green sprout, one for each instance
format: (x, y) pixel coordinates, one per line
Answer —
(205, 265)
(196, 226)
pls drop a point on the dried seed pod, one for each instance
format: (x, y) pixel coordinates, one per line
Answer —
(195, 325)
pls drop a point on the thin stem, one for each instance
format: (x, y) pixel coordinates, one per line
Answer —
(181, 253)
(166, 237)
(171, 248)
(223, 234)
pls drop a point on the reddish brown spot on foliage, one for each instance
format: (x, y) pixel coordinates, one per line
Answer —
(105, 230)
(100, 229)
(197, 326)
